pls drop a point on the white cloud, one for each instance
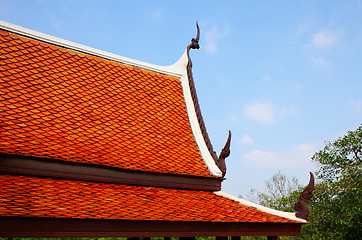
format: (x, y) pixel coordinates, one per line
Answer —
(260, 157)
(326, 38)
(246, 140)
(157, 15)
(266, 113)
(298, 86)
(357, 105)
(275, 67)
(232, 118)
(319, 61)
(288, 110)
(260, 111)
(299, 32)
(212, 38)
(266, 78)
(295, 157)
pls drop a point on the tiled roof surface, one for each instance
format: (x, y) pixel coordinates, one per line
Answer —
(40, 197)
(62, 104)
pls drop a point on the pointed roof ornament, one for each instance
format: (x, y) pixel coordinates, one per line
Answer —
(225, 152)
(193, 45)
(301, 206)
(195, 41)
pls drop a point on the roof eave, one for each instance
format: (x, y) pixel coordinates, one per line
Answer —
(72, 227)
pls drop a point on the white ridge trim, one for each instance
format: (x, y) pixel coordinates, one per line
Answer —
(176, 70)
(288, 215)
(85, 49)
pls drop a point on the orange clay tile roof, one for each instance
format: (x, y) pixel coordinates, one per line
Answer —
(40, 197)
(63, 104)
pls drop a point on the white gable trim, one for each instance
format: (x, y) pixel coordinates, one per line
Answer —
(180, 67)
(85, 49)
(288, 215)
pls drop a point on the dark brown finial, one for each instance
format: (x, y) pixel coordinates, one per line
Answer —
(195, 41)
(225, 152)
(301, 206)
(310, 187)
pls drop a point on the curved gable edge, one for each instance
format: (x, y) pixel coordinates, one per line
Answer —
(179, 70)
(288, 215)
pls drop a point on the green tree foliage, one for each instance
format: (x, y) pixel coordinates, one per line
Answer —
(337, 201)
(336, 206)
(278, 192)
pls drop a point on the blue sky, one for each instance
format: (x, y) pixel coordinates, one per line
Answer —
(283, 76)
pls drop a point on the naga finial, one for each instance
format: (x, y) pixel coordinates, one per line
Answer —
(225, 152)
(194, 45)
(301, 206)
(195, 41)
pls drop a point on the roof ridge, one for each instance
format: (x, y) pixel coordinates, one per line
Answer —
(168, 70)
(288, 215)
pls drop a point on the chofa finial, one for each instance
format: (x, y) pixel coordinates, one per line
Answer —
(198, 32)
(195, 41)
(301, 206)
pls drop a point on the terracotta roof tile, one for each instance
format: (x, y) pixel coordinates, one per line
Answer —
(42, 197)
(63, 104)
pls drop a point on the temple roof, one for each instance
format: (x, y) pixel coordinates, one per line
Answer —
(87, 134)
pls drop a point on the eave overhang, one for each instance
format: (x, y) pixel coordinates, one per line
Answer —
(43, 167)
(67, 227)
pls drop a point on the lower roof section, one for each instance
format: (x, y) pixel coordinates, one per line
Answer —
(22, 196)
